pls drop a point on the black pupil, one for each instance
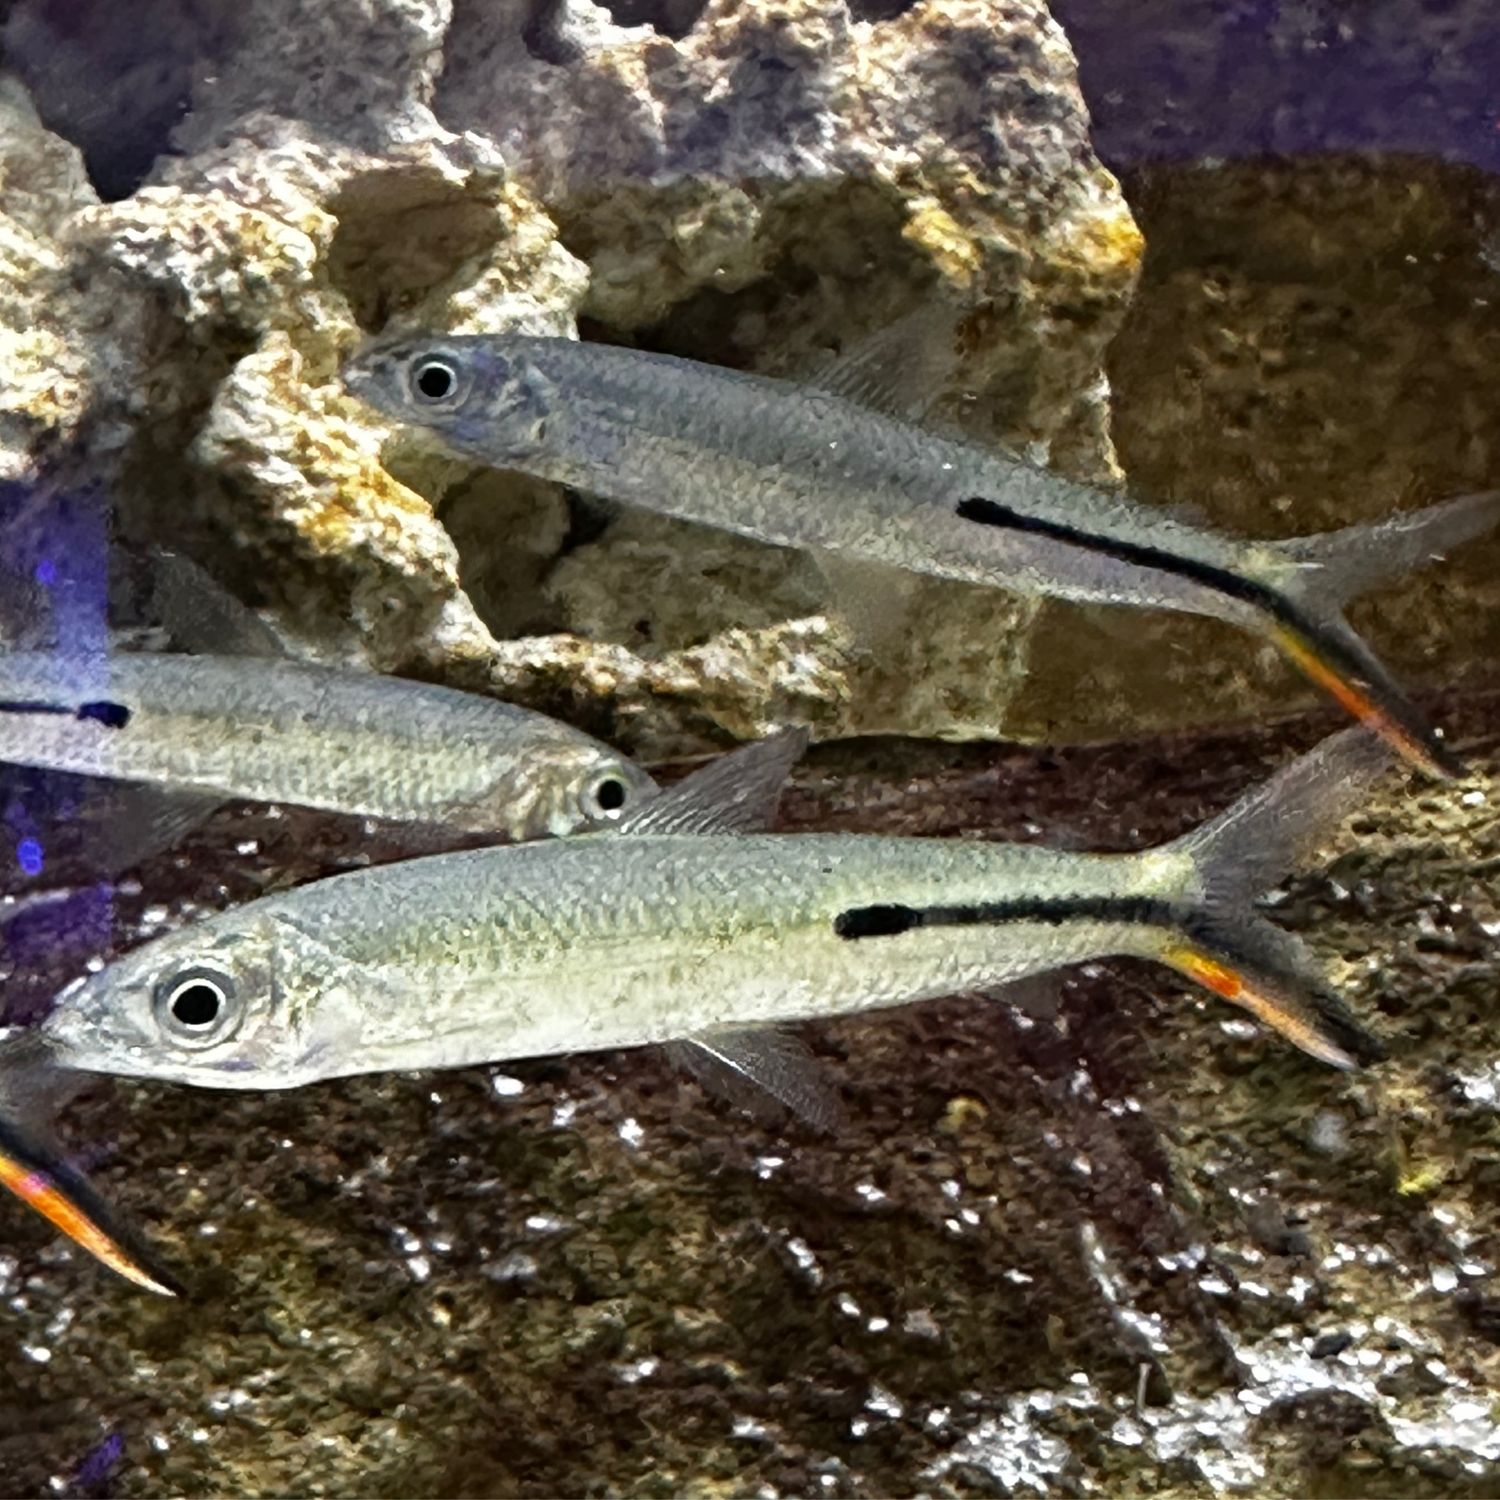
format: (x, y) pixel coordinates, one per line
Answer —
(435, 380)
(610, 795)
(196, 1005)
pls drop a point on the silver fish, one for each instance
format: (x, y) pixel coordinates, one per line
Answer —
(692, 927)
(810, 467)
(270, 729)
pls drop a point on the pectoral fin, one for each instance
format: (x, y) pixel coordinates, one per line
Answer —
(86, 827)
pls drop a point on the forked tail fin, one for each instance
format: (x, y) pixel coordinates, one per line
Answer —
(34, 1167)
(1312, 579)
(1224, 945)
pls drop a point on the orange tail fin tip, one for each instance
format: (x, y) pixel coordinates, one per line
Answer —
(1431, 757)
(1239, 989)
(70, 1210)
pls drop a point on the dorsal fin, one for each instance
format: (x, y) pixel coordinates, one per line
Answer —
(901, 369)
(737, 793)
(201, 615)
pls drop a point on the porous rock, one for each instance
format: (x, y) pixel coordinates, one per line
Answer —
(241, 274)
(731, 194)
(44, 388)
(781, 179)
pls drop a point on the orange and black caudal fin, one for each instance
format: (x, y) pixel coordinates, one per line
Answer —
(39, 1175)
(1267, 972)
(1314, 576)
(35, 1169)
(1329, 653)
(1224, 945)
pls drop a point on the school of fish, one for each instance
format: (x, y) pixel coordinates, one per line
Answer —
(621, 915)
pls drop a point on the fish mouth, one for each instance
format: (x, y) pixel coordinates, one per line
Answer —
(361, 372)
(377, 366)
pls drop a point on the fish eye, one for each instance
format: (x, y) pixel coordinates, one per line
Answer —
(606, 797)
(434, 379)
(197, 1007)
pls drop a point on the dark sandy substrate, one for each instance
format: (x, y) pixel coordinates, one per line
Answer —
(1140, 1249)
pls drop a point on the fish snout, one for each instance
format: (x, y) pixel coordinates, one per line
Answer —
(366, 372)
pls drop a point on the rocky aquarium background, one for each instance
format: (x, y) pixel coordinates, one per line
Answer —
(1248, 257)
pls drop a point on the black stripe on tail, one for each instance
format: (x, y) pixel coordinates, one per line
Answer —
(1253, 947)
(886, 921)
(111, 715)
(34, 1169)
(1345, 654)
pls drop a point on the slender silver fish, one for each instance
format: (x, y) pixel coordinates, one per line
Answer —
(689, 927)
(810, 467)
(270, 729)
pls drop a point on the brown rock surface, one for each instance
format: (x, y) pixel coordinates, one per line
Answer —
(1313, 343)
(1140, 1249)
(328, 171)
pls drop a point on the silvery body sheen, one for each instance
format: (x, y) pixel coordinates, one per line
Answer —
(274, 730)
(681, 926)
(807, 467)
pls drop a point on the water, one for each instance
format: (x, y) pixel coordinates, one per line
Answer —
(1247, 258)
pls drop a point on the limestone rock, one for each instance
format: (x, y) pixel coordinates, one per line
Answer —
(776, 168)
(249, 265)
(46, 375)
(732, 194)
(751, 185)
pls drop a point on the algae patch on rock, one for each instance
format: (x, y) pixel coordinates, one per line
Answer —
(1312, 344)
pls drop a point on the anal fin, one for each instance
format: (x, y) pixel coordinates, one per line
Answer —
(874, 601)
(748, 1066)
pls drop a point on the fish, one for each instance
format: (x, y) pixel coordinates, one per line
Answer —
(842, 470)
(690, 923)
(34, 1166)
(271, 729)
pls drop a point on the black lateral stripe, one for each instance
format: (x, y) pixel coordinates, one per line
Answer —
(111, 715)
(23, 707)
(1223, 580)
(887, 921)
(1352, 663)
(876, 921)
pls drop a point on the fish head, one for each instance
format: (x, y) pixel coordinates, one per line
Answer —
(482, 395)
(249, 999)
(574, 786)
(592, 792)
